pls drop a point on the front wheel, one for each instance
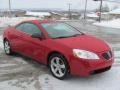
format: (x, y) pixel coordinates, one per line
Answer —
(58, 66)
(7, 47)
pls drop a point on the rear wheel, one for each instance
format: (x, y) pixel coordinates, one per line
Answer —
(58, 66)
(7, 47)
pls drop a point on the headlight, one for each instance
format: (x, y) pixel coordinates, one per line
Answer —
(85, 54)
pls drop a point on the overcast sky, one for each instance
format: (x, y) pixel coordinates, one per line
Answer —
(61, 4)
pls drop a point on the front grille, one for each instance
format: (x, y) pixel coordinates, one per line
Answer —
(107, 55)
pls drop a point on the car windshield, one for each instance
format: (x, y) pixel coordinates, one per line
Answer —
(60, 30)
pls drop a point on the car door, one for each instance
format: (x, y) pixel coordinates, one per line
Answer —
(15, 36)
(32, 47)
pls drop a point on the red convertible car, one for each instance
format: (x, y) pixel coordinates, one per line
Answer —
(62, 47)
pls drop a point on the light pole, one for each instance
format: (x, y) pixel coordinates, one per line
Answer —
(9, 8)
(69, 10)
(85, 9)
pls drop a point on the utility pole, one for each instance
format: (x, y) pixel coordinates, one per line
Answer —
(9, 8)
(100, 10)
(85, 9)
(69, 10)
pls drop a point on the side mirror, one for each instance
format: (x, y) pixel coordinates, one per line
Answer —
(37, 35)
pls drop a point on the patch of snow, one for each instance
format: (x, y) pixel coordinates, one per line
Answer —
(117, 54)
(6, 65)
(94, 15)
(6, 86)
(105, 81)
(41, 14)
(116, 11)
(112, 23)
(115, 45)
(8, 71)
(19, 60)
(90, 20)
(16, 85)
(1, 42)
(117, 61)
(64, 18)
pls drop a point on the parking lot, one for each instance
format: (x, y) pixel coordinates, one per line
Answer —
(21, 73)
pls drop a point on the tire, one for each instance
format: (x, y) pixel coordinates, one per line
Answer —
(58, 66)
(7, 47)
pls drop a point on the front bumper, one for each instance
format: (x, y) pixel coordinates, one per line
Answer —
(87, 67)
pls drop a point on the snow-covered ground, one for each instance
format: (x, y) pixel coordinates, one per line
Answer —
(5, 21)
(112, 24)
(105, 81)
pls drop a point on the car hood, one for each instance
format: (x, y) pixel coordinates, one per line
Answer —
(84, 42)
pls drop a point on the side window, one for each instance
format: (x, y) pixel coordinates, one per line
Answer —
(28, 28)
(20, 27)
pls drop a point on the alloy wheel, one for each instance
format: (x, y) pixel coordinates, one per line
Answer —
(7, 47)
(58, 66)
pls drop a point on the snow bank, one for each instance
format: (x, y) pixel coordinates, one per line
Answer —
(5, 21)
(112, 24)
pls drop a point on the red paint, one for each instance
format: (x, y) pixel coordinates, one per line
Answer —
(40, 49)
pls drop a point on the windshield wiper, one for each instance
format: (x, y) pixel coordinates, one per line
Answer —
(75, 35)
(62, 37)
(69, 36)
